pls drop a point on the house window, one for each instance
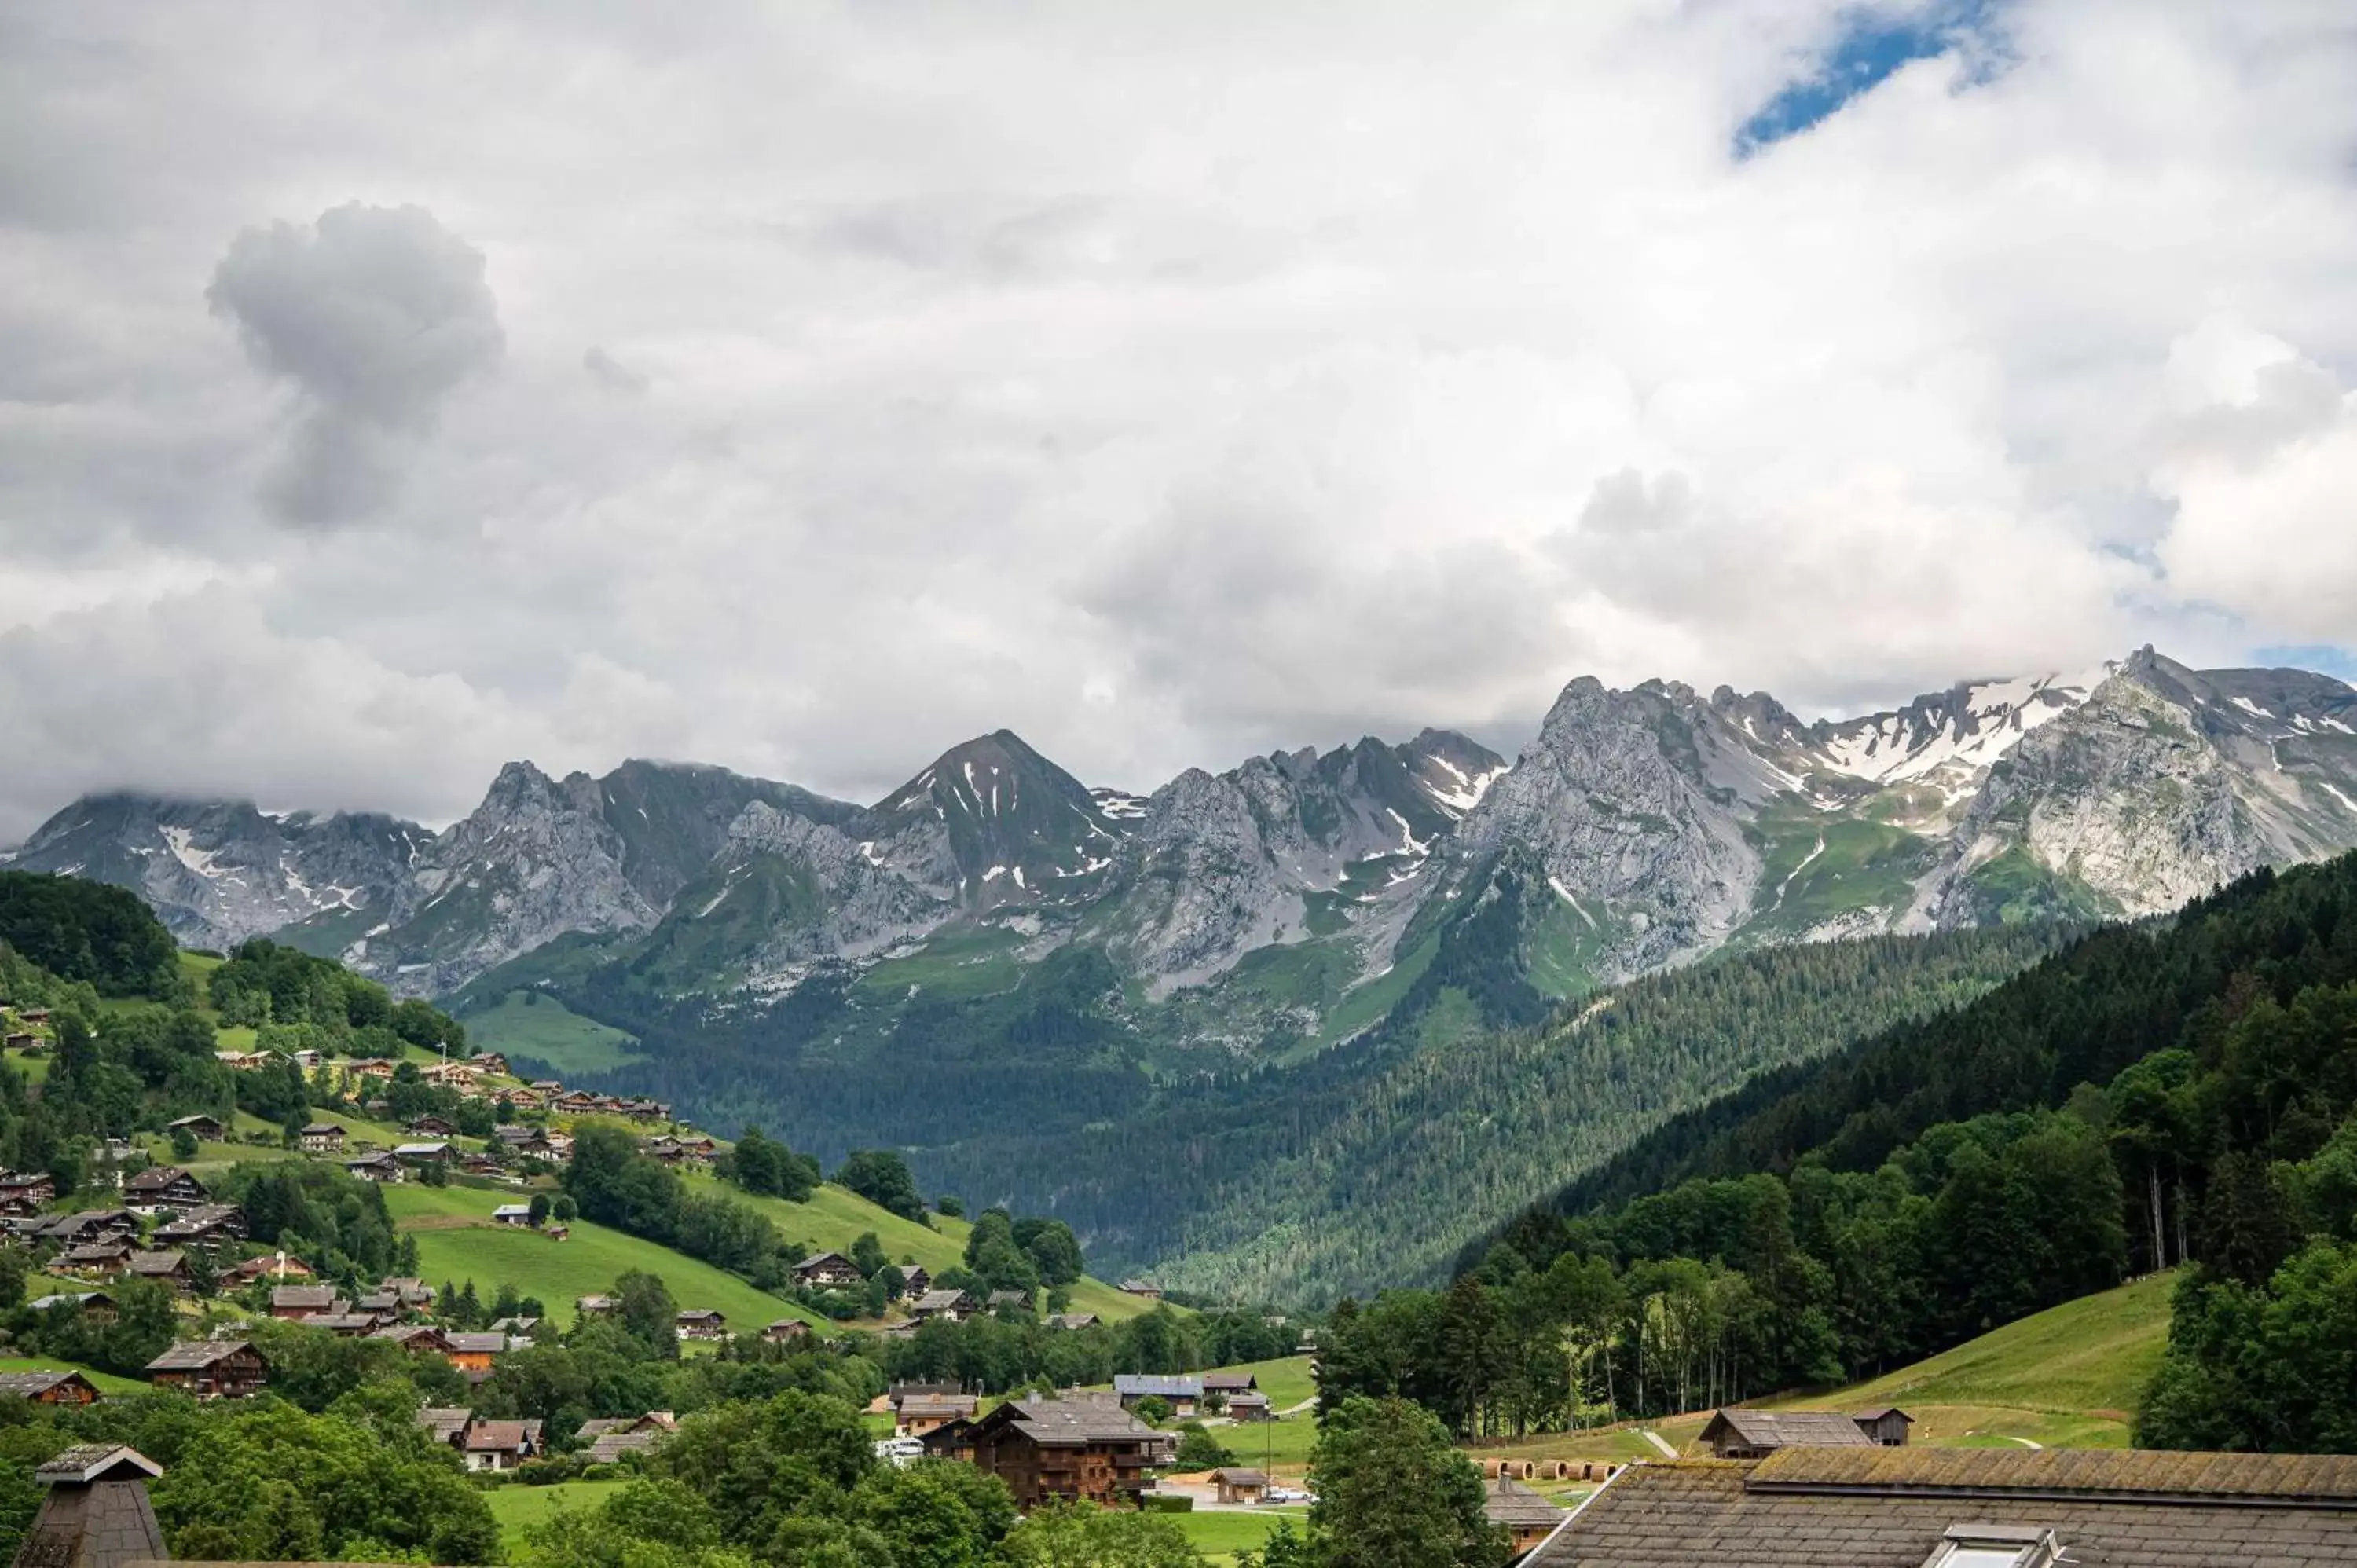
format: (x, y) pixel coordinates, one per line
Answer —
(1996, 1546)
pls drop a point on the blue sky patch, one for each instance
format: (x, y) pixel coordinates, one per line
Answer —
(2323, 657)
(1868, 48)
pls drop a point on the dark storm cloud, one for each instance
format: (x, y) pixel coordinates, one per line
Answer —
(375, 315)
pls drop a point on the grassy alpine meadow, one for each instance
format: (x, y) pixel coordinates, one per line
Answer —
(107, 1383)
(2068, 1375)
(534, 1024)
(834, 1218)
(517, 1509)
(456, 1241)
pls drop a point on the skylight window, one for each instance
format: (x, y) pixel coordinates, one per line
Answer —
(1996, 1546)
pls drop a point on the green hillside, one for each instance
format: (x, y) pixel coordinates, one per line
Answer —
(2067, 1377)
(456, 1241)
(533, 1024)
(834, 1218)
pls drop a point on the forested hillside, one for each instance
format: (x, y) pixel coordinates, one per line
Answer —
(1448, 1141)
(2153, 1095)
(1279, 1175)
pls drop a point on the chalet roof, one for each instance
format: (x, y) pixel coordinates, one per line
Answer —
(26, 1385)
(614, 1445)
(1893, 1508)
(192, 1120)
(1248, 1399)
(201, 1218)
(1229, 1382)
(157, 1265)
(937, 1407)
(97, 1252)
(77, 1298)
(477, 1344)
(307, 1297)
(421, 1150)
(943, 1300)
(445, 1422)
(522, 1210)
(195, 1355)
(344, 1322)
(88, 1462)
(1875, 1413)
(1509, 1502)
(156, 1178)
(815, 1259)
(1233, 1477)
(378, 1158)
(1010, 1298)
(1144, 1385)
(1072, 1319)
(499, 1436)
(1789, 1429)
(321, 1129)
(703, 1315)
(1073, 1422)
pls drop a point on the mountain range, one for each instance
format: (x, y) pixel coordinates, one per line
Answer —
(1298, 895)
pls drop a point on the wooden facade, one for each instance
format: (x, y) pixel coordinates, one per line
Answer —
(211, 1370)
(1075, 1450)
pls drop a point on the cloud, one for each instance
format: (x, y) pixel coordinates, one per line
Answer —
(375, 315)
(1162, 389)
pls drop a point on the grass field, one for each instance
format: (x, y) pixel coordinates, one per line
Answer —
(834, 1218)
(1220, 1534)
(456, 1241)
(2067, 1377)
(545, 1028)
(107, 1383)
(517, 1507)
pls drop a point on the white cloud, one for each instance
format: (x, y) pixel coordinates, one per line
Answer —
(1161, 387)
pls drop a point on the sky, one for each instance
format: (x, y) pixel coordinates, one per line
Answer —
(387, 392)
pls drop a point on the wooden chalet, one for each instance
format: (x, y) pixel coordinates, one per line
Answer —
(1010, 1301)
(430, 1126)
(165, 1268)
(418, 1338)
(1145, 1290)
(105, 1258)
(164, 1186)
(376, 1167)
(294, 1304)
(1072, 1320)
(1076, 1450)
(212, 1369)
(426, 1153)
(209, 1226)
(702, 1323)
(49, 1387)
(1756, 1433)
(499, 1444)
(353, 1325)
(474, 1352)
(322, 1138)
(24, 1192)
(657, 1422)
(785, 1331)
(1871, 1506)
(1245, 1408)
(1236, 1487)
(489, 1063)
(919, 1413)
(413, 1292)
(445, 1423)
(515, 1214)
(914, 1280)
(1885, 1426)
(828, 1271)
(1183, 1393)
(947, 1302)
(1527, 1517)
(594, 1305)
(94, 1305)
(207, 1129)
(273, 1266)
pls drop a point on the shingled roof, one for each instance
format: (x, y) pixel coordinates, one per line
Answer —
(1508, 1502)
(1895, 1508)
(1788, 1429)
(1071, 1423)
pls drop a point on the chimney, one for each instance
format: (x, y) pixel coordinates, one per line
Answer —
(96, 1514)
